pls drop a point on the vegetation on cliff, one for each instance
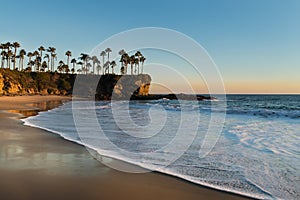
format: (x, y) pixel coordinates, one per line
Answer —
(44, 60)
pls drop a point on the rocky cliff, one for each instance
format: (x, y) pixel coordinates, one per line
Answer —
(44, 83)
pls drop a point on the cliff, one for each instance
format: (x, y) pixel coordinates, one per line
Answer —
(45, 83)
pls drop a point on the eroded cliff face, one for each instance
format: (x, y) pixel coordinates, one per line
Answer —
(112, 86)
(1, 84)
(31, 83)
(103, 87)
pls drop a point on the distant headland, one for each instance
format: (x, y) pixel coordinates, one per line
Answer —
(40, 74)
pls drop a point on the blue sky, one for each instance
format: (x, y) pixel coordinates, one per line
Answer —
(255, 43)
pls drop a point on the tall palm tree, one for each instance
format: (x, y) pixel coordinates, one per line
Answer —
(48, 61)
(22, 54)
(125, 60)
(84, 57)
(15, 45)
(54, 57)
(136, 65)
(108, 50)
(36, 60)
(138, 54)
(98, 68)
(9, 54)
(113, 64)
(121, 53)
(68, 54)
(103, 54)
(73, 61)
(95, 62)
(3, 54)
(142, 60)
(41, 49)
(52, 50)
(132, 62)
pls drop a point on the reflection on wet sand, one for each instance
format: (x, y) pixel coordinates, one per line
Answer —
(35, 108)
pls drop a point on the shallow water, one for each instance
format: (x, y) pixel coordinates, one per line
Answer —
(257, 153)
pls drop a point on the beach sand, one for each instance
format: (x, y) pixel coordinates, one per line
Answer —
(36, 164)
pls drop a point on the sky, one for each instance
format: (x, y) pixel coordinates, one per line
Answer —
(254, 43)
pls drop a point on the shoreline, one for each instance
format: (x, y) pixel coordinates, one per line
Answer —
(71, 162)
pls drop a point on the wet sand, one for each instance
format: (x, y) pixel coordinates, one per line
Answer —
(36, 164)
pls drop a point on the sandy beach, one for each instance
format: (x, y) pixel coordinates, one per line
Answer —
(36, 164)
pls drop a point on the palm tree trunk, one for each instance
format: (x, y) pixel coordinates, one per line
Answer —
(15, 54)
(22, 66)
(2, 62)
(8, 62)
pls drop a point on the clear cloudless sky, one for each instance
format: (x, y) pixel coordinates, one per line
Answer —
(255, 43)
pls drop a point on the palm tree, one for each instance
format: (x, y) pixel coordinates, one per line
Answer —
(98, 68)
(73, 61)
(113, 64)
(54, 57)
(126, 60)
(60, 66)
(122, 70)
(38, 63)
(66, 68)
(9, 54)
(139, 55)
(142, 60)
(103, 54)
(30, 64)
(95, 61)
(36, 54)
(121, 53)
(3, 56)
(106, 67)
(29, 54)
(108, 50)
(22, 54)
(68, 54)
(87, 67)
(16, 45)
(44, 66)
(48, 60)
(136, 65)
(52, 50)
(132, 62)
(84, 57)
(41, 49)
(80, 63)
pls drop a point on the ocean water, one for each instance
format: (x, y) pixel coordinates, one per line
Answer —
(257, 152)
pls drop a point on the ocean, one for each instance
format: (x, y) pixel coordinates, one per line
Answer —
(256, 153)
